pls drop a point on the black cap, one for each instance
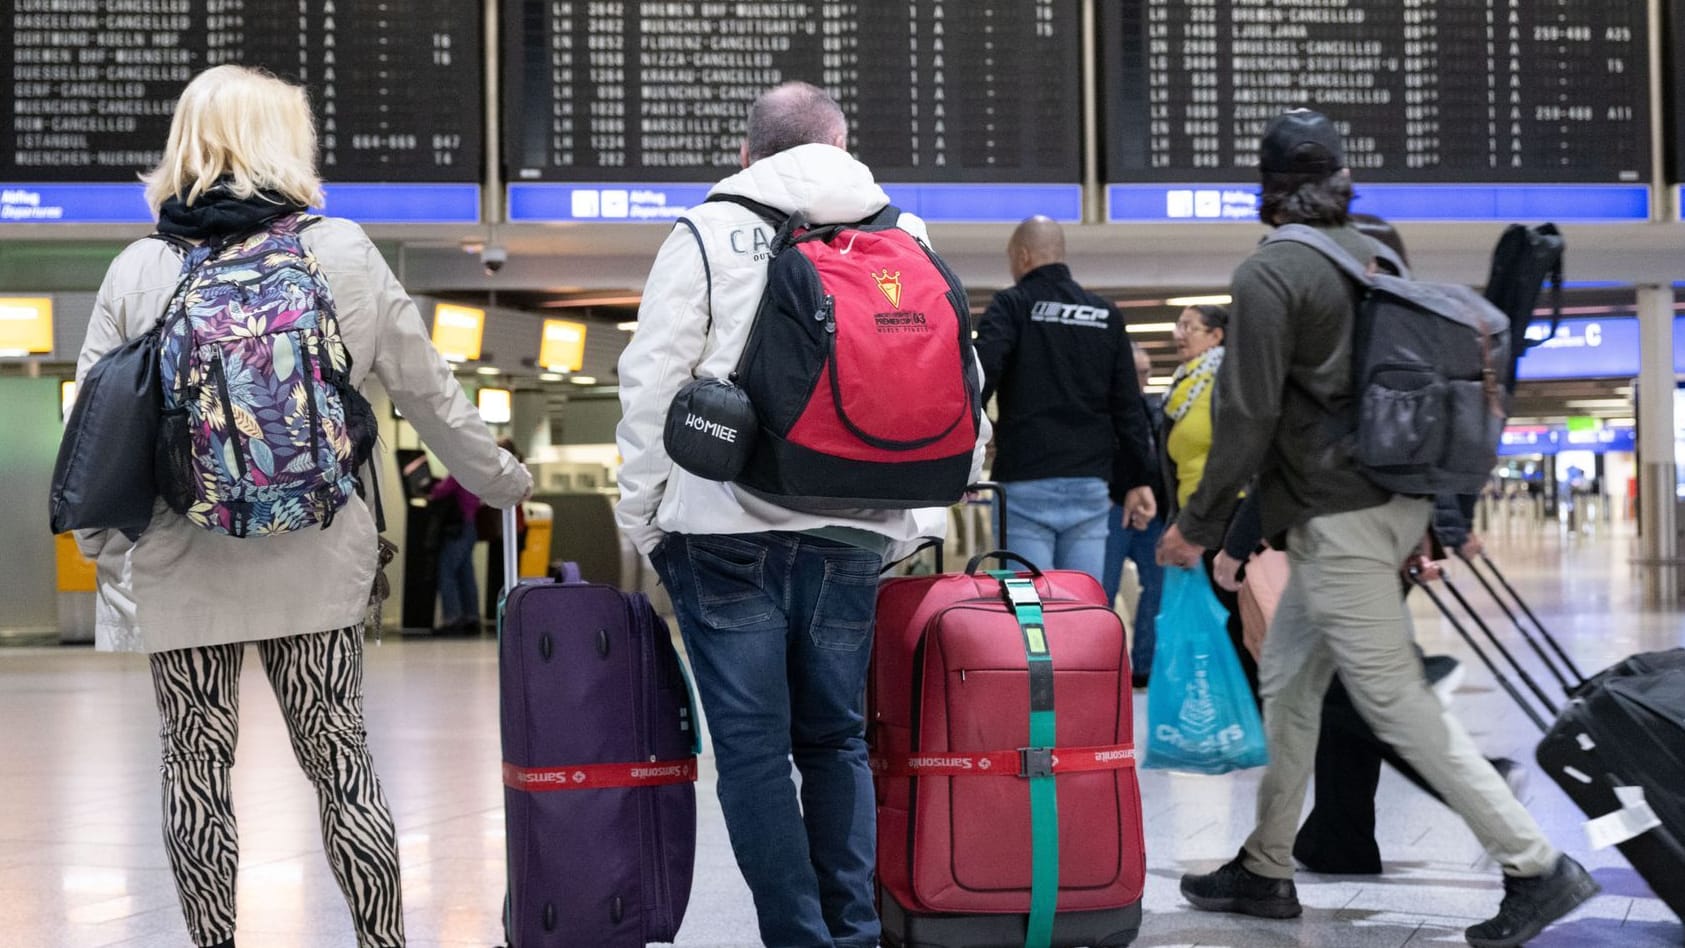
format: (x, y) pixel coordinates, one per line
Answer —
(1301, 142)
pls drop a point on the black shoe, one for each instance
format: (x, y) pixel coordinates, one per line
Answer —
(1348, 863)
(1234, 888)
(1138, 680)
(1532, 903)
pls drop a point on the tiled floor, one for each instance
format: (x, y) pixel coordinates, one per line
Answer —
(81, 863)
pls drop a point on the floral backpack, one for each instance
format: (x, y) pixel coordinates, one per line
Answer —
(262, 431)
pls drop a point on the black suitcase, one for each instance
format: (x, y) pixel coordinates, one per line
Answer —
(1621, 728)
(1629, 732)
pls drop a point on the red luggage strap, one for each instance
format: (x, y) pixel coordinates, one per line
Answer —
(644, 773)
(1024, 762)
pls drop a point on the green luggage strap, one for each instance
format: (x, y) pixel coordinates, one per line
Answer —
(1036, 760)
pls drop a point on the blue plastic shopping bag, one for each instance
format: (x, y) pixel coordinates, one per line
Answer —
(1200, 713)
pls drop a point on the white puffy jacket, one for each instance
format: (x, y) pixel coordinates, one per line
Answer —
(721, 269)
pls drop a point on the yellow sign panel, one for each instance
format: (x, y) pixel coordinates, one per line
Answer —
(26, 325)
(75, 571)
(457, 331)
(563, 348)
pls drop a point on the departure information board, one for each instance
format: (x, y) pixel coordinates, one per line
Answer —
(395, 84)
(973, 92)
(1426, 92)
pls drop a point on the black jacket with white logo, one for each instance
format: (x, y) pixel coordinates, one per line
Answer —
(1068, 402)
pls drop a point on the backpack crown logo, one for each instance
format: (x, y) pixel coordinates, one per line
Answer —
(889, 284)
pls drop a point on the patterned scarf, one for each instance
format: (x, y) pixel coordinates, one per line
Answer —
(1199, 374)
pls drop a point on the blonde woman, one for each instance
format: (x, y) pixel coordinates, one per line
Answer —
(241, 155)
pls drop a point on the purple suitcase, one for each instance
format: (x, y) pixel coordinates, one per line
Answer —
(599, 767)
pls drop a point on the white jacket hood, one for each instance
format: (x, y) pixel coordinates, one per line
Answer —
(826, 184)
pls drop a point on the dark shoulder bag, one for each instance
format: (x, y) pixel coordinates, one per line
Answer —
(104, 476)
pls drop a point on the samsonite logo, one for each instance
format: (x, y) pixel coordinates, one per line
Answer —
(964, 763)
(656, 773)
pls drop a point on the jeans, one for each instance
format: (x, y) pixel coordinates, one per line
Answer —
(1138, 546)
(1059, 522)
(458, 592)
(778, 627)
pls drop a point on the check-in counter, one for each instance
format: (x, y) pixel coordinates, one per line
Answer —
(75, 592)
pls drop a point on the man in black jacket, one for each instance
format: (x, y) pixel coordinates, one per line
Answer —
(1282, 411)
(1072, 426)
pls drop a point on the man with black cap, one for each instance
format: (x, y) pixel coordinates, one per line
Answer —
(1283, 412)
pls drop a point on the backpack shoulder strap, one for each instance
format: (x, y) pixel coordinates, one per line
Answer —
(707, 270)
(767, 212)
(1329, 248)
(175, 240)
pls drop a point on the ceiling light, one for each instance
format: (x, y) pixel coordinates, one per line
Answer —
(1219, 299)
(486, 370)
(550, 377)
(631, 325)
(584, 380)
(1598, 403)
(1622, 422)
(1159, 380)
(1152, 327)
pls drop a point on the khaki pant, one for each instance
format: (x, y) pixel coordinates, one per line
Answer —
(1342, 611)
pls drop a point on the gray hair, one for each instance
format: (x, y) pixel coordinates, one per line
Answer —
(793, 114)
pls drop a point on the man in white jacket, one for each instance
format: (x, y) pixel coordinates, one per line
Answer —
(776, 606)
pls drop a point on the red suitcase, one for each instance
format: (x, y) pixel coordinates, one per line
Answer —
(950, 704)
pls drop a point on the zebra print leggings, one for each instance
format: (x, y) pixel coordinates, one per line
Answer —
(318, 680)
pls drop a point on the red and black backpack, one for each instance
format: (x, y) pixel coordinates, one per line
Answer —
(860, 369)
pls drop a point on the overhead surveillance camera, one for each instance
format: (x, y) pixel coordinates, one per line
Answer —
(493, 258)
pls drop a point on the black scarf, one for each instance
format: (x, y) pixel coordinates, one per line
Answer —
(217, 214)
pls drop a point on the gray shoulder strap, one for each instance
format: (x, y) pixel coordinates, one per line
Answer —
(1322, 243)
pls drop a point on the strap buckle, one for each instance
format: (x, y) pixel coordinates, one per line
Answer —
(1021, 592)
(1035, 761)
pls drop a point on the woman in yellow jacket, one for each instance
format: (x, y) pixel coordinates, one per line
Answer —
(1187, 437)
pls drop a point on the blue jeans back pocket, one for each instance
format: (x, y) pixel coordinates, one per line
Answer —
(730, 578)
(847, 604)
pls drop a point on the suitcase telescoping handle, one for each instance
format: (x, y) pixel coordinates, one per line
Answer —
(1000, 531)
(511, 551)
(1462, 630)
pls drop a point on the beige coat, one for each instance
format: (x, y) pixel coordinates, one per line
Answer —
(181, 586)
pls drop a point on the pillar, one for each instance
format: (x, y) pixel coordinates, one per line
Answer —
(1659, 546)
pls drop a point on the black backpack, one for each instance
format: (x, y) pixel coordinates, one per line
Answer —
(1430, 363)
(1522, 262)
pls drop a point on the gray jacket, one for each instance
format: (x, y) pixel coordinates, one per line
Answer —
(1282, 407)
(180, 586)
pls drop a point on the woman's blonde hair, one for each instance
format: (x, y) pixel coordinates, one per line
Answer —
(241, 127)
